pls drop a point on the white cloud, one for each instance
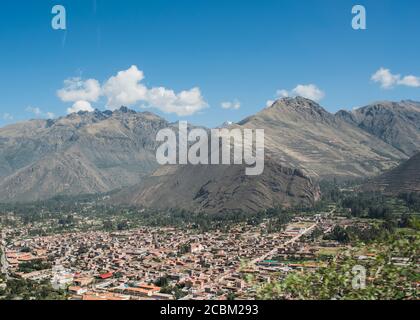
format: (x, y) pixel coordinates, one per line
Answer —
(282, 93)
(387, 80)
(7, 117)
(309, 91)
(185, 103)
(39, 113)
(235, 104)
(126, 89)
(80, 106)
(76, 89)
(410, 81)
(269, 103)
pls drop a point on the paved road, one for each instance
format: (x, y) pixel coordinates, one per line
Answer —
(253, 262)
(294, 239)
(307, 230)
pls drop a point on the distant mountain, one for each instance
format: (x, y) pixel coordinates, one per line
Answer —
(404, 178)
(78, 154)
(301, 134)
(298, 134)
(397, 123)
(96, 152)
(221, 188)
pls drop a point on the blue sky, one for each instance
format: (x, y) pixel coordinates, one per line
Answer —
(239, 53)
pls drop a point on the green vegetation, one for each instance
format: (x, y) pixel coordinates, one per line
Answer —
(54, 217)
(21, 289)
(412, 200)
(384, 226)
(166, 287)
(174, 290)
(365, 234)
(385, 279)
(31, 266)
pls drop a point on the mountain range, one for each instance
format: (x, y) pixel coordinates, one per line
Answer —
(221, 188)
(398, 124)
(300, 133)
(82, 153)
(101, 151)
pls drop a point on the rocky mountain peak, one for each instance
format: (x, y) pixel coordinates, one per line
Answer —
(99, 151)
(300, 107)
(124, 109)
(397, 123)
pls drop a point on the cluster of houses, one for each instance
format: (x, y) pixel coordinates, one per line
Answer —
(167, 263)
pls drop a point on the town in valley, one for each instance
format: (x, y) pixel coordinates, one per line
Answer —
(87, 256)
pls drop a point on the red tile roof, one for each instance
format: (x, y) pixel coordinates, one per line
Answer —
(106, 275)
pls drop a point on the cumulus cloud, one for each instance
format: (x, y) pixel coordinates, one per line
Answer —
(282, 93)
(184, 103)
(388, 80)
(39, 113)
(76, 89)
(81, 105)
(410, 81)
(235, 104)
(309, 91)
(385, 78)
(126, 89)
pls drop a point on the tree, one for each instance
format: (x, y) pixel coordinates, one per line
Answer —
(385, 280)
(338, 234)
(231, 296)
(108, 225)
(404, 221)
(122, 226)
(162, 281)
